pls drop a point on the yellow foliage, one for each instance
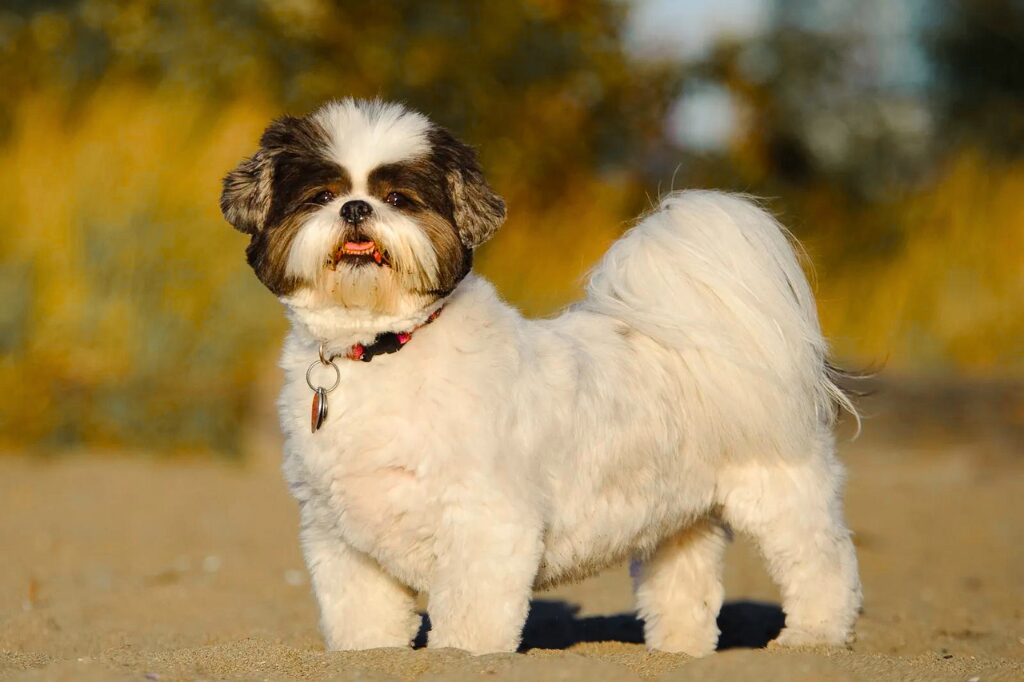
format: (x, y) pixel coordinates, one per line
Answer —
(951, 296)
(131, 317)
(125, 279)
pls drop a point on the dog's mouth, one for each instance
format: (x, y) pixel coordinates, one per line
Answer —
(358, 252)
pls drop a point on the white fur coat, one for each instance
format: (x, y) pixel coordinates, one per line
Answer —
(495, 454)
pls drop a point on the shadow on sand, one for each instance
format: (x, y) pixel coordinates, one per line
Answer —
(558, 625)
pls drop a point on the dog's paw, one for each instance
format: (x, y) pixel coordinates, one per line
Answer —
(693, 644)
(800, 637)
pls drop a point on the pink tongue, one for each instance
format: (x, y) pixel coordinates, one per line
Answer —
(358, 246)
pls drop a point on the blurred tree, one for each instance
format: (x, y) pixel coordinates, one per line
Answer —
(978, 50)
(861, 121)
(493, 71)
(131, 319)
(119, 119)
(828, 101)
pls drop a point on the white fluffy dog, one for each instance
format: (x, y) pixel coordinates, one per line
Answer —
(483, 455)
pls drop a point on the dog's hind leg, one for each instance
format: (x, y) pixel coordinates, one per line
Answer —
(679, 590)
(794, 512)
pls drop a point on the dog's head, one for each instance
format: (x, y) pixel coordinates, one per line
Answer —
(362, 205)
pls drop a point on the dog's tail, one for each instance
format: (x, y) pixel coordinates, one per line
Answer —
(717, 278)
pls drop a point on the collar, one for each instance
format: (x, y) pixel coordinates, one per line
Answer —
(384, 343)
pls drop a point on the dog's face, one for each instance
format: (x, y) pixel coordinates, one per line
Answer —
(363, 205)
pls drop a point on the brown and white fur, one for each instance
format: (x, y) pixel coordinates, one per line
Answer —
(689, 391)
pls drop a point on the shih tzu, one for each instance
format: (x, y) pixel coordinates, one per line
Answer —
(437, 441)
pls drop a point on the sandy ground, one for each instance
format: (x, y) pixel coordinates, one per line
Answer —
(147, 569)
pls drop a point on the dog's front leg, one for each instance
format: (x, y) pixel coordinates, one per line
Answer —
(487, 560)
(361, 606)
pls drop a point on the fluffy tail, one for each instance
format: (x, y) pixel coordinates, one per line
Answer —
(716, 277)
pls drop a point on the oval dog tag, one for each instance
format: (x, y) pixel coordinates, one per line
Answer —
(318, 413)
(318, 410)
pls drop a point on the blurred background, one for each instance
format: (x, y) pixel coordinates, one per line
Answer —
(887, 134)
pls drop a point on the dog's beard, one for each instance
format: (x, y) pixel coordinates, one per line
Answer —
(388, 265)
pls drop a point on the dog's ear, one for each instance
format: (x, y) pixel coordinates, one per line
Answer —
(478, 211)
(247, 194)
(245, 198)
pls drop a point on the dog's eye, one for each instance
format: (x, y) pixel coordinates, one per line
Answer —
(323, 197)
(398, 200)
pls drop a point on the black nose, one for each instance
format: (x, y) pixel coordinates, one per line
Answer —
(356, 211)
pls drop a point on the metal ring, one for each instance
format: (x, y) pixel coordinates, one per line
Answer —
(337, 376)
(323, 360)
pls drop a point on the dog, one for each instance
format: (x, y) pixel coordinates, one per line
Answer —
(438, 442)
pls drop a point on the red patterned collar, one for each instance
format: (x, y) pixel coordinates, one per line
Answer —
(384, 343)
(388, 342)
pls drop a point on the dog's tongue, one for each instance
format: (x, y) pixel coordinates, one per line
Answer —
(359, 246)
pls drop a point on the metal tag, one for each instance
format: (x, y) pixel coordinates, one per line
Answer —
(318, 413)
(318, 410)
